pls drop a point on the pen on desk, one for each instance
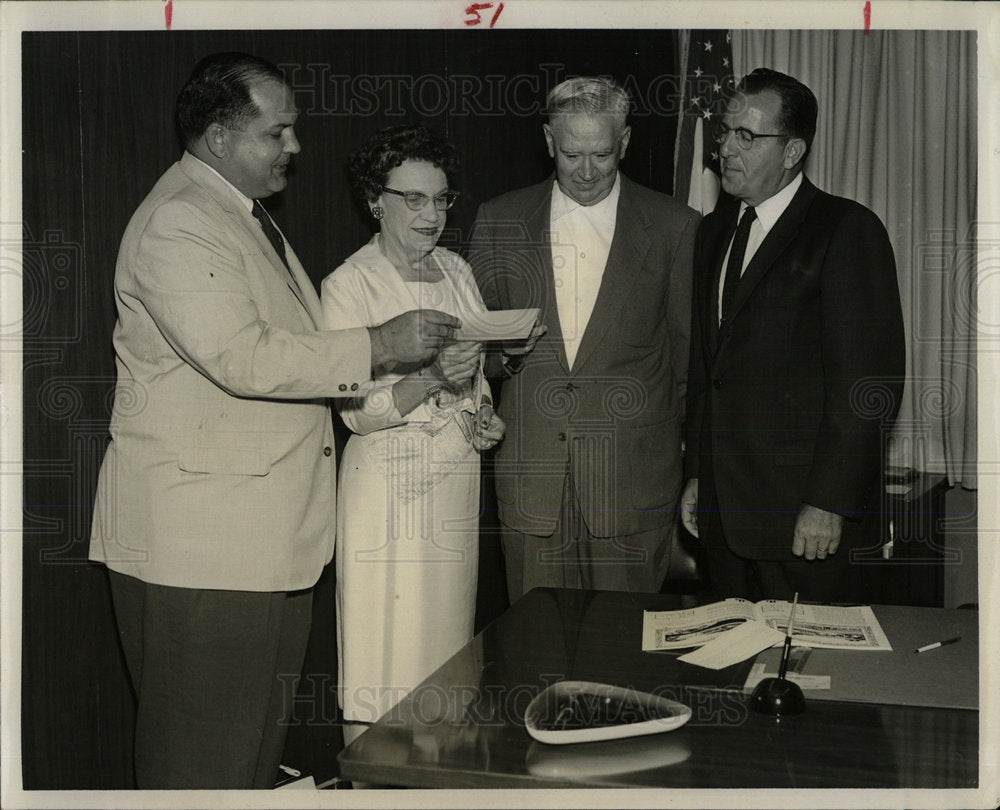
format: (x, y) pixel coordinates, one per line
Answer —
(937, 644)
(788, 639)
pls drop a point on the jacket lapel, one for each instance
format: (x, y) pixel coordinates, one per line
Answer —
(539, 233)
(774, 244)
(727, 218)
(294, 275)
(629, 247)
(302, 286)
(295, 278)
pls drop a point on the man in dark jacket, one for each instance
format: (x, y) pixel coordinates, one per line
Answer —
(589, 473)
(797, 361)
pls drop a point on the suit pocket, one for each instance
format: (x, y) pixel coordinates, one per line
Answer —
(222, 461)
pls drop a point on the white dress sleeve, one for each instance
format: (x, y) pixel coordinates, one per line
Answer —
(347, 302)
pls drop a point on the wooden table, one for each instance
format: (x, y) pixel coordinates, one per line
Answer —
(463, 727)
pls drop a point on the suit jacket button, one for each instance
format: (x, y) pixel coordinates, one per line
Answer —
(561, 437)
(717, 383)
(354, 386)
(327, 451)
(342, 387)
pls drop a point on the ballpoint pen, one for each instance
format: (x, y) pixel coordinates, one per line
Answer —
(780, 696)
(788, 639)
(937, 644)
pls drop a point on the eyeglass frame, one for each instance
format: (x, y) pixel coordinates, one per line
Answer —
(725, 129)
(447, 197)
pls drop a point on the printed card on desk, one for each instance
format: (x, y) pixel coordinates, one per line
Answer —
(504, 324)
(758, 672)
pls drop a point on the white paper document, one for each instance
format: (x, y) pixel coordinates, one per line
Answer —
(758, 673)
(820, 626)
(734, 645)
(504, 324)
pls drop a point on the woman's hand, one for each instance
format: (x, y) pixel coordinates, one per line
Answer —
(518, 348)
(487, 428)
(458, 361)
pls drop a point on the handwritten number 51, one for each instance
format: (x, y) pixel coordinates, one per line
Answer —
(475, 18)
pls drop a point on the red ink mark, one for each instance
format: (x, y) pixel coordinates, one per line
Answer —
(474, 10)
(474, 16)
(168, 12)
(868, 15)
(494, 20)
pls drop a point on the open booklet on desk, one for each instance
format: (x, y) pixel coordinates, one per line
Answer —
(822, 626)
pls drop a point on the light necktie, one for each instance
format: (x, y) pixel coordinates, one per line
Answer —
(270, 231)
(735, 266)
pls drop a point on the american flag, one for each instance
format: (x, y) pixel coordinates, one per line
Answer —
(707, 57)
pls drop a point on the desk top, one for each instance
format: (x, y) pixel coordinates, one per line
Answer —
(947, 677)
(464, 726)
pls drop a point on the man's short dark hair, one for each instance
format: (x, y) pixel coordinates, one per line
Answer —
(798, 104)
(218, 92)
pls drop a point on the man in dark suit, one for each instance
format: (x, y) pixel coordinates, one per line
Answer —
(797, 361)
(588, 475)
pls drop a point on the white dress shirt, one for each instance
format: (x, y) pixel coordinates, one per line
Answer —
(767, 214)
(581, 242)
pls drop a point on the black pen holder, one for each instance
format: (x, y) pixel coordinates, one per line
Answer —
(777, 697)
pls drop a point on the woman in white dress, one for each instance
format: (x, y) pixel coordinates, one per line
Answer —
(407, 519)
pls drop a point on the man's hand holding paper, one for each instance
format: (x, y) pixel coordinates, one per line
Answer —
(515, 351)
(525, 346)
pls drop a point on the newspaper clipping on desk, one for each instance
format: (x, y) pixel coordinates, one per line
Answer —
(832, 627)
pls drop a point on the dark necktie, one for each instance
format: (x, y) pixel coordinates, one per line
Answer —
(735, 266)
(270, 231)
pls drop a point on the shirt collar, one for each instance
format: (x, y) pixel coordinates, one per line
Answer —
(243, 198)
(773, 207)
(563, 204)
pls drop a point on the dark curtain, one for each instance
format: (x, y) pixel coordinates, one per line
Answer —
(97, 133)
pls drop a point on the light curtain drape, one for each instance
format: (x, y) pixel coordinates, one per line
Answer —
(897, 133)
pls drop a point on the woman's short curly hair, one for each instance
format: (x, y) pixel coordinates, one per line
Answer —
(388, 148)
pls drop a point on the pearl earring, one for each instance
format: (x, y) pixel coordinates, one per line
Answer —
(378, 211)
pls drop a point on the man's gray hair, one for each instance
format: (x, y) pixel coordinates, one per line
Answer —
(591, 95)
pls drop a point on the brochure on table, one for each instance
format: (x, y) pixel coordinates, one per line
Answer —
(819, 626)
